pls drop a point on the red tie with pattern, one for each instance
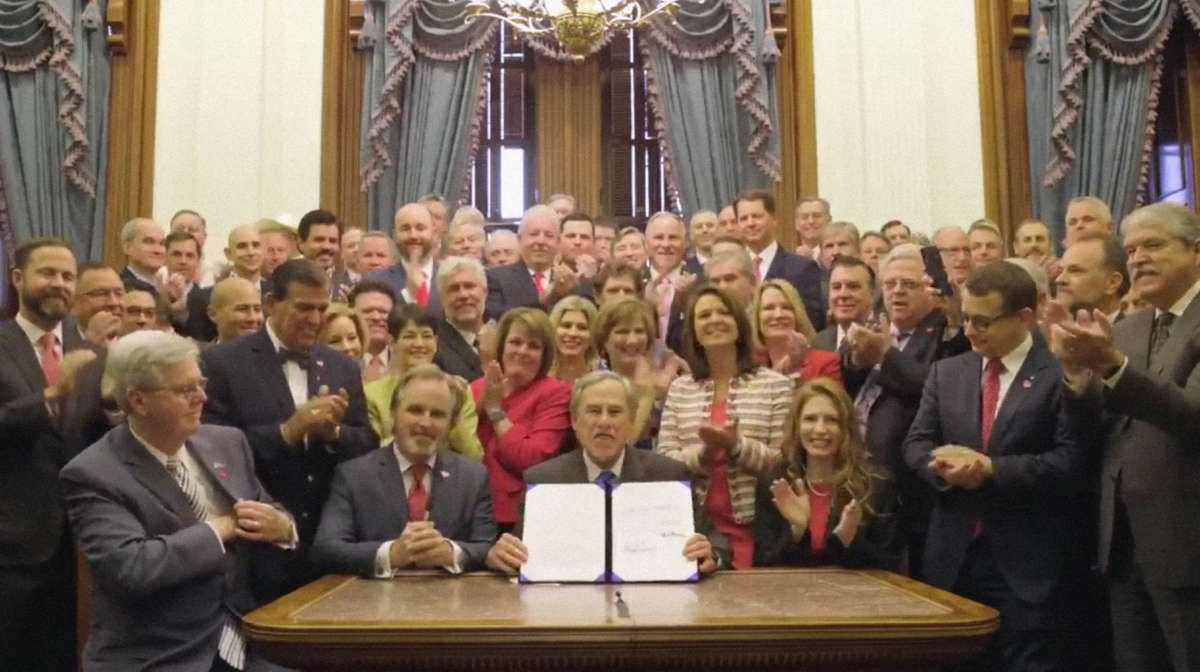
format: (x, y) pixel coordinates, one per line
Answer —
(418, 499)
(422, 295)
(537, 283)
(50, 357)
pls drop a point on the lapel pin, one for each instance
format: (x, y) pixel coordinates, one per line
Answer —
(320, 362)
(219, 467)
(1027, 383)
(445, 474)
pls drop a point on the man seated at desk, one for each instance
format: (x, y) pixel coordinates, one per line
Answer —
(603, 404)
(412, 503)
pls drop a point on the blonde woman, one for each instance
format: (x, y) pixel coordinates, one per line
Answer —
(784, 335)
(343, 331)
(828, 505)
(574, 351)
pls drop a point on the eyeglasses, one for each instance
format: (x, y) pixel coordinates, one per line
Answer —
(983, 322)
(955, 251)
(188, 391)
(907, 284)
(101, 293)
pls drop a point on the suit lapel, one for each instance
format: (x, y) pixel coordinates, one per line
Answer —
(1025, 385)
(524, 281)
(775, 270)
(210, 460)
(441, 487)
(317, 373)
(152, 475)
(392, 483)
(264, 351)
(1181, 332)
(970, 397)
(632, 470)
(20, 352)
(1134, 337)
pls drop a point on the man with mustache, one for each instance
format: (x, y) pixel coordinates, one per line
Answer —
(299, 403)
(462, 283)
(320, 239)
(413, 504)
(413, 278)
(41, 361)
(603, 405)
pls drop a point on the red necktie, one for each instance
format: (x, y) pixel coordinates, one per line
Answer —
(990, 398)
(537, 283)
(422, 296)
(50, 358)
(758, 269)
(417, 497)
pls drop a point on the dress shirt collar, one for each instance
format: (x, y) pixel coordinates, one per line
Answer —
(655, 275)
(34, 332)
(148, 279)
(1015, 358)
(1177, 309)
(405, 463)
(156, 453)
(767, 256)
(275, 342)
(593, 469)
(471, 337)
(385, 357)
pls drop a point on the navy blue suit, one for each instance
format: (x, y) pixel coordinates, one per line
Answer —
(368, 506)
(396, 277)
(805, 276)
(247, 389)
(1020, 560)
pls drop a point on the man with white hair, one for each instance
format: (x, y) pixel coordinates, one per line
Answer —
(502, 248)
(165, 511)
(955, 249)
(144, 243)
(562, 204)
(1086, 213)
(446, 520)
(529, 281)
(463, 285)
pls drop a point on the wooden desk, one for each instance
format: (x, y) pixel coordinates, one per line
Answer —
(772, 619)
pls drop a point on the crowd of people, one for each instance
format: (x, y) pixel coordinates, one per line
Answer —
(213, 434)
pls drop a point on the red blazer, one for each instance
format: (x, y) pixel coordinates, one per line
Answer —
(819, 363)
(540, 416)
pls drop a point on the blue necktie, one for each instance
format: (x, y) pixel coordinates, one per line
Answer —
(606, 479)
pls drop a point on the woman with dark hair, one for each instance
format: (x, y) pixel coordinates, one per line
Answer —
(829, 505)
(725, 420)
(525, 409)
(414, 342)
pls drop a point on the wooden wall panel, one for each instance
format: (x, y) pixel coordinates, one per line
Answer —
(568, 130)
(1002, 32)
(797, 116)
(129, 189)
(341, 112)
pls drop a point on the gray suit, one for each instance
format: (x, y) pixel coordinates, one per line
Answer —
(1150, 477)
(640, 466)
(368, 506)
(161, 583)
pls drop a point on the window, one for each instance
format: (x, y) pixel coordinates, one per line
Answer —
(635, 178)
(1171, 161)
(503, 173)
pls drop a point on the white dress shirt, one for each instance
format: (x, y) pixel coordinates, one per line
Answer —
(297, 378)
(594, 470)
(1012, 364)
(427, 277)
(34, 334)
(383, 556)
(766, 257)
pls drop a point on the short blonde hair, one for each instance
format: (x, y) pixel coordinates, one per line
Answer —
(576, 303)
(336, 310)
(803, 324)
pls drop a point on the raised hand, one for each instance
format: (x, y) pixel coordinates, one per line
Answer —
(791, 503)
(848, 525)
(102, 329)
(495, 386)
(1086, 343)
(718, 439)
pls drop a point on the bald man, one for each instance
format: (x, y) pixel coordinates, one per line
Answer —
(413, 277)
(502, 248)
(235, 308)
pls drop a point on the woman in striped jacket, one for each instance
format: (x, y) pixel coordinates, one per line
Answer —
(725, 421)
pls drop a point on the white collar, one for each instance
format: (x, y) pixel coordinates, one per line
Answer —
(1177, 309)
(594, 470)
(1015, 358)
(156, 453)
(34, 332)
(405, 463)
(767, 255)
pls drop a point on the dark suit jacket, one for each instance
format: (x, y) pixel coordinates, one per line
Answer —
(640, 466)
(1025, 508)
(197, 325)
(32, 451)
(368, 506)
(396, 277)
(130, 280)
(805, 276)
(1149, 445)
(161, 582)
(454, 356)
(877, 544)
(341, 284)
(827, 338)
(84, 420)
(247, 390)
(510, 286)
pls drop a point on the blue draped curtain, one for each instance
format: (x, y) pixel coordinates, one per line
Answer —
(54, 85)
(1092, 75)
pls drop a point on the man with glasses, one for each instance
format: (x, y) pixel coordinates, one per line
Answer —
(992, 441)
(164, 510)
(884, 366)
(955, 247)
(300, 404)
(98, 307)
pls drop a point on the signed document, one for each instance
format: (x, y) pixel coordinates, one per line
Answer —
(650, 524)
(564, 530)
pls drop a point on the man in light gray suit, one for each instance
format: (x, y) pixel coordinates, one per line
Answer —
(1142, 379)
(602, 410)
(412, 503)
(166, 511)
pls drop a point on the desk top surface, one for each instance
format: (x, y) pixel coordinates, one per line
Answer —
(433, 603)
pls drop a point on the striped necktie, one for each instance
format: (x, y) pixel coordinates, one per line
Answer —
(191, 489)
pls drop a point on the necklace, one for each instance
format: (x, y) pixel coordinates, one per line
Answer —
(817, 491)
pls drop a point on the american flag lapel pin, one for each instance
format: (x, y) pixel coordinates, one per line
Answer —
(445, 474)
(219, 467)
(1027, 383)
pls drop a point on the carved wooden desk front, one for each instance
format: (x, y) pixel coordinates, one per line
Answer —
(770, 619)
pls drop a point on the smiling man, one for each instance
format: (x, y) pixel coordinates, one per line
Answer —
(851, 299)
(445, 520)
(463, 286)
(144, 243)
(755, 211)
(603, 405)
(320, 239)
(528, 282)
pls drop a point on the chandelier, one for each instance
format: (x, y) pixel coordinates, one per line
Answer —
(577, 24)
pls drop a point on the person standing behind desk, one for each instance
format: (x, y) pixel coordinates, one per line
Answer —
(524, 418)
(830, 505)
(1143, 378)
(299, 403)
(42, 357)
(603, 405)
(164, 510)
(411, 503)
(992, 439)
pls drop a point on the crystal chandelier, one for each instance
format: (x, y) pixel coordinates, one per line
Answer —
(577, 24)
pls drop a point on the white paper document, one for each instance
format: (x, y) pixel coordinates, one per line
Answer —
(564, 527)
(651, 522)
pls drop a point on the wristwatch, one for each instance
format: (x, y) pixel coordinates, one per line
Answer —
(496, 416)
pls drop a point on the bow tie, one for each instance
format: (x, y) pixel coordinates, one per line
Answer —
(300, 358)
